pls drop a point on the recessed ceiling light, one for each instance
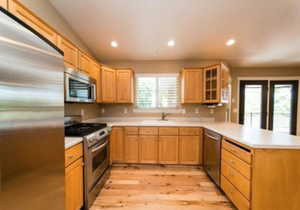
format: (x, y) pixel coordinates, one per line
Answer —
(171, 43)
(230, 42)
(114, 44)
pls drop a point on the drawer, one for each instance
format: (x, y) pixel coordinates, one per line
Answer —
(73, 153)
(234, 195)
(131, 130)
(168, 131)
(189, 131)
(236, 163)
(237, 151)
(153, 131)
(239, 181)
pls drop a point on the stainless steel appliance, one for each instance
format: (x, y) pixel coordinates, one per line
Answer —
(212, 155)
(79, 87)
(31, 119)
(96, 156)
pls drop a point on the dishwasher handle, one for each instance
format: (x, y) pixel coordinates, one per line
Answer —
(215, 137)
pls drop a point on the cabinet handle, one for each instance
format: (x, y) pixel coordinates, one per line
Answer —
(70, 156)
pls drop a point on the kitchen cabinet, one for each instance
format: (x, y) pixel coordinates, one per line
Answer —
(3, 3)
(124, 85)
(32, 20)
(148, 149)
(260, 178)
(189, 150)
(83, 63)
(74, 177)
(131, 149)
(168, 149)
(192, 85)
(117, 145)
(108, 80)
(216, 84)
(70, 52)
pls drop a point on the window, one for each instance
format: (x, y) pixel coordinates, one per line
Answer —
(156, 91)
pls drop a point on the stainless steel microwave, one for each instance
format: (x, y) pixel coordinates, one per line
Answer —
(79, 87)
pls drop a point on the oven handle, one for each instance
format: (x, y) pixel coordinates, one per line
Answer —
(100, 147)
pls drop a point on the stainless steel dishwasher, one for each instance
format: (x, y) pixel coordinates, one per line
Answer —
(212, 155)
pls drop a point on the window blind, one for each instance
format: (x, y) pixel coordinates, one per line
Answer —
(157, 91)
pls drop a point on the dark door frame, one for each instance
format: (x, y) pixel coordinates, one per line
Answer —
(294, 106)
(264, 99)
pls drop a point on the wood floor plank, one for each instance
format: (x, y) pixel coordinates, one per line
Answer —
(156, 187)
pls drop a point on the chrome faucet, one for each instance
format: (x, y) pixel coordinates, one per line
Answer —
(163, 116)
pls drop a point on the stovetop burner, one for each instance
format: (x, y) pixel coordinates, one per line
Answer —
(83, 129)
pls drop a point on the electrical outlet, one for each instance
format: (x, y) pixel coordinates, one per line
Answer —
(125, 110)
(82, 112)
(197, 111)
(102, 110)
(212, 111)
(183, 111)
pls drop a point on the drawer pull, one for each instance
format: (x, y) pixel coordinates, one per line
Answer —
(70, 156)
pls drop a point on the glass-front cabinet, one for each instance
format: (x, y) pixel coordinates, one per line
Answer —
(216, 84)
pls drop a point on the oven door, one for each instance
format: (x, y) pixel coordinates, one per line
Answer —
(79, 90)
(98, 162)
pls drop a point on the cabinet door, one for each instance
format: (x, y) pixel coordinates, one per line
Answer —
(70, 52)
(131, 146)
(74, 186)
(84, 63)
(3, 3)
(192, 83)
(32, 20)
(212, 84)
(108, 85)
(124, 86)
(189, 150)
(148, 149)
(117, 145)
(168, 150)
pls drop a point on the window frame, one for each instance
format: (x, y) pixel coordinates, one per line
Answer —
(157, 108)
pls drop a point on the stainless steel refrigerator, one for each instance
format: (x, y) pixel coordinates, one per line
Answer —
(31, 119)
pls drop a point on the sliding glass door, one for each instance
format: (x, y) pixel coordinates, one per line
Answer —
(269, 104)
(253, 103)
(283, 106)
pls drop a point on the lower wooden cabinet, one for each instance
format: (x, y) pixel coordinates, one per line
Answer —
(74, 178)
(168, 149)
(148, 149)
(152, 145)
(117, 145)
(190, 147)
(131, 149)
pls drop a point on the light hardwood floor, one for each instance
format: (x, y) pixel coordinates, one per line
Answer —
(160, 188)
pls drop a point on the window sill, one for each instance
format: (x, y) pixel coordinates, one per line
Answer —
(168, 110)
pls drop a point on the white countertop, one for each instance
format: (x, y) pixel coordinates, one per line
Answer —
(254, 138)
(72, 141)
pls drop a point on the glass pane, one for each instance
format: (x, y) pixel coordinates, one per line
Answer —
(253, 105)
(146, 92)
(79, 89)
(167, 94)
(282, 108)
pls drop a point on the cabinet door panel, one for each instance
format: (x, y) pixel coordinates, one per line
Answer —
(74, 186)
(117, 145)
(148, 149)
(124, 86)
(83, 63)
(192, 82)
(70, 52)
(131, 149)
(190, 150)
(168, 149)
(3, 3)
(36, 23)
(108, 85)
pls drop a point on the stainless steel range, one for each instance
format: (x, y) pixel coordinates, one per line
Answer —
(96, 156)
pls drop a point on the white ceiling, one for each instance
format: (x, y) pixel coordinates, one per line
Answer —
(267, 32)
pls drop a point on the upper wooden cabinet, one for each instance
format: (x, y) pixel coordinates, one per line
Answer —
(216, 84)
(192, 85)
(32, 20)
(108, 80)
(83, 63)
(124, 84)
(3, 3)
(70, 52)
